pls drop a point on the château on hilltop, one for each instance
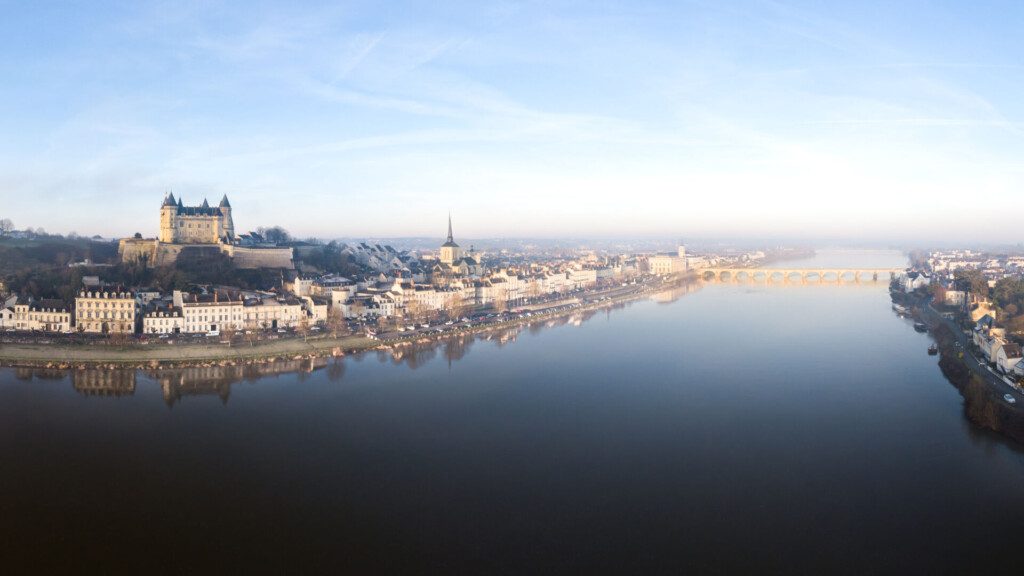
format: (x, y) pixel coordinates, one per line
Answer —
(204, 227)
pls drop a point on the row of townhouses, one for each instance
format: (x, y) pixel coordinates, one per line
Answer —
(1006, 355)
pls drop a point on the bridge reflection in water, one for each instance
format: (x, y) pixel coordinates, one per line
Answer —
(800, 275)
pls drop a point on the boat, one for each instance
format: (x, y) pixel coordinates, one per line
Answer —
(899, 309)
(1009, 398)
(933, 350)
(920, 327)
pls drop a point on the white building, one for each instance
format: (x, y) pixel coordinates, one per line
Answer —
(203, 313)
(42, 316)
(163, 320)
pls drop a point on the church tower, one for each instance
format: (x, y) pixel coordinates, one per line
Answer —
(168, 214)
(450, 251)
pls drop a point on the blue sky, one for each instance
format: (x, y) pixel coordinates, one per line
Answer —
(890, 120)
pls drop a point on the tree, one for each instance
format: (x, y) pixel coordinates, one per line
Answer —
(274, 234)
(500, 299)
(454, 305)
(415, 310)
(228, 331)
(336, 322)
(303, 326)
(532, 288)
(6, 226)
(974, 279)
(251, 336)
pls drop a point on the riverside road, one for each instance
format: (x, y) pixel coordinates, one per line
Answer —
(996, 384)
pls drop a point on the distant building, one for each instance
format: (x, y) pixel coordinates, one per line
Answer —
(203, 224)
(955, 297)
(662, 264)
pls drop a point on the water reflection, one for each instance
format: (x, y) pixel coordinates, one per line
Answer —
(217, 380)
(104, 382)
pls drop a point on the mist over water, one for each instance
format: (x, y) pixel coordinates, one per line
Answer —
(722, 428)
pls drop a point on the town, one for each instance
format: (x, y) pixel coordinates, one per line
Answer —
(980, 296)
(199, 277)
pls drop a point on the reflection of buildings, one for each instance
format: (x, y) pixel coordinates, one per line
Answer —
(676, 292)
(23, 373)
(104, 382)
(202, 381)
(177, 383)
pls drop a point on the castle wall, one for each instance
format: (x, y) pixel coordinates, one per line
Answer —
(135, 249)
(259, 257)
(167, 254)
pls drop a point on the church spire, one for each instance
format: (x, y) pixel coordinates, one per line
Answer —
(450, 239)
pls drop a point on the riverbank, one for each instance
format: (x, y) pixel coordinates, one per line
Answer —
(984, 405)
(160, 355)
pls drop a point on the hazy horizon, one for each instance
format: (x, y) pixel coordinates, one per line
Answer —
(873, 122)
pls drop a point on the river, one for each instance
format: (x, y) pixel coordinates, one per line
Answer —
(722, 428)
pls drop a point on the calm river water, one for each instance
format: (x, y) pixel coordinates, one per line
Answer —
(725, 428)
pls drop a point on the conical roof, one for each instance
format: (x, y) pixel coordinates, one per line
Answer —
(224, 202)
(451, 240)
(205, 204)
(169, 199)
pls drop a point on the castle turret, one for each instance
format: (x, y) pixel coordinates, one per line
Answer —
(168, 212)
(227, 223)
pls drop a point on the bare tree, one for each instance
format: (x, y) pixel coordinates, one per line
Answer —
(228, 331)
(533, 288)
(357, 308)
(6, 226)
(274, 234)
(415, 310)
(336, 322)
(500, 298)
(303, 326)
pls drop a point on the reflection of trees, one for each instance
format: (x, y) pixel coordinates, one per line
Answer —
(457, 346)
(414, 355)
(336, 370)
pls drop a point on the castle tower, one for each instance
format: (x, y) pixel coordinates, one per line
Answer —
(227, 223)
(168, 213)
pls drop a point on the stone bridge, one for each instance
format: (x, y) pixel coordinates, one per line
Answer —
(797, 274)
